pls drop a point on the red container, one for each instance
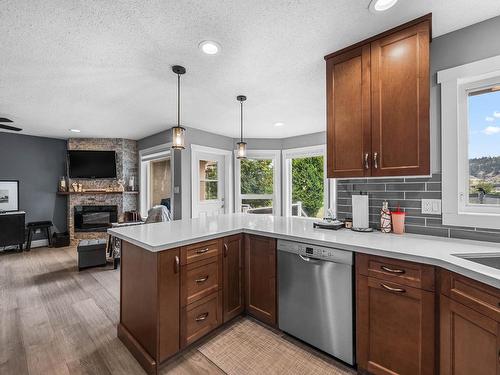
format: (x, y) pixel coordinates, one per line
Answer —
(398, 222)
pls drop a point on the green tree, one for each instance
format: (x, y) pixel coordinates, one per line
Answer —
(256, 176)
(308, 183)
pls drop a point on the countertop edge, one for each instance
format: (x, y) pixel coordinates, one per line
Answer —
(434, 261)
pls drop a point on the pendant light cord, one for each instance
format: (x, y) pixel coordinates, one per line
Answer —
(178, 100)
(241, 121)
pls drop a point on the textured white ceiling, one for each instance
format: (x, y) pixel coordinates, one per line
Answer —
(104, 66)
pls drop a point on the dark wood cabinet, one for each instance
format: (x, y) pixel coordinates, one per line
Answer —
(233, 261)
(469, 326)
(400, 102)
(395, 321)
(470, 341)
(349, 131)
(149, 304)
(260, 278)
(378, 105)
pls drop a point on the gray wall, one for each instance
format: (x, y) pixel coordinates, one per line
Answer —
(182, 170)
(459, 47)
(37, 163)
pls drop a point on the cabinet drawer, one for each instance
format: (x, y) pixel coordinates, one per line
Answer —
(471, 293)
(399, 271)
(198, 280)
(199, 318)
(198, 251)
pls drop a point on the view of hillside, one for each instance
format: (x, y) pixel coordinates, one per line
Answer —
(485, 174)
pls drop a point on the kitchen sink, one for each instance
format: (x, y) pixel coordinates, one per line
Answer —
(490, 260)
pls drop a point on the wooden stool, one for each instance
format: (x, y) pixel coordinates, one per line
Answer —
(33, 227)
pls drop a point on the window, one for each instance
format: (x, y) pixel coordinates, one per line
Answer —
(484, 146)
(155, 178)
(257, 183)
(208, 180)
(307, 191)
(470, 109)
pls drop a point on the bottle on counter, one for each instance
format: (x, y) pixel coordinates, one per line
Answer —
(385, 218)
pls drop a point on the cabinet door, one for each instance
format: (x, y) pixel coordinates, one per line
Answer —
(348, 114)
(260, 276)
(469, 341)
(400, 103)
(395, 328)
(233, 277)
(168, 300)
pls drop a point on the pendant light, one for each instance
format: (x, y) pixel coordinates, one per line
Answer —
(242, 146)
(178, 132)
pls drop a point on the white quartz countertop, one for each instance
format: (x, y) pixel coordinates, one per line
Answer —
(418, 248)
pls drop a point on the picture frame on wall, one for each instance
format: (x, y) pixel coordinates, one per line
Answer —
(9, 195)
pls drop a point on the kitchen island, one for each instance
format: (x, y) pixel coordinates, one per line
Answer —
(181, 280)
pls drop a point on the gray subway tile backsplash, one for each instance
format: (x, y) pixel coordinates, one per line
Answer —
(408, 194)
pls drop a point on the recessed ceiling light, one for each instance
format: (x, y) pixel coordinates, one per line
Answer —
(210, 47)
(75, 130)
(279, 123)
(381, 5)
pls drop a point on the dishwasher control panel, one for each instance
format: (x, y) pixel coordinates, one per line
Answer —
(317, 252)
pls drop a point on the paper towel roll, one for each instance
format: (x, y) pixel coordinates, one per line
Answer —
(360, 211)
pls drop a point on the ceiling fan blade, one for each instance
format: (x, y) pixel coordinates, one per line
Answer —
(8, 127)
(3, 119)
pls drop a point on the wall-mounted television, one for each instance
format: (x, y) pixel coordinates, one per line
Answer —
(91, 164)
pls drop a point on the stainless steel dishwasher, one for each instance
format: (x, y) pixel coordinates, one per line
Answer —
(315, 297)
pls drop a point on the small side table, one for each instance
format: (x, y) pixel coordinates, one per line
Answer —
(36, 225)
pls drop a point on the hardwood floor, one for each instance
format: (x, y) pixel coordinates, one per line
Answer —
(56, 320)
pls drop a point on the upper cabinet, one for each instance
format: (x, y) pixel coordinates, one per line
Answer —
(378, 105)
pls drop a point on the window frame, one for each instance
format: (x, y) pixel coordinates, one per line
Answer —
(329, 184)
(145, 157)
(456, 83)
(275, 155)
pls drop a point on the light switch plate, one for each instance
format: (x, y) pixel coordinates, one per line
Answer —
(431, 206)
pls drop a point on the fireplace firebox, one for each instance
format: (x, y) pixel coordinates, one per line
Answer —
(94, 218)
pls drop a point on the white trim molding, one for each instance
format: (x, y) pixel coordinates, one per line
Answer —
(303, 152)
(228, 176)
(146, 155)
(275, 155)
(456, 83)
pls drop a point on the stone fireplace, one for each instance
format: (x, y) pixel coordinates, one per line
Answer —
(126, 168)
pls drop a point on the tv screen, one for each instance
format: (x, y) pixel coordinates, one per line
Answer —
(91, 164)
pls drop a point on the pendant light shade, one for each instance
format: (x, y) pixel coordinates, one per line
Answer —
(241, 152)
(178, 132)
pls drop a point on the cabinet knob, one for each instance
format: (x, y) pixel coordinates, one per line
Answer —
(375, 157)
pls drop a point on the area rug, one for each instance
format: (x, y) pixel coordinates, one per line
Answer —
(248, 348)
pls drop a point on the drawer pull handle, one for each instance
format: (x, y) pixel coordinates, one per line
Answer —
(202, 251)
(375, 163)
(225, 250)
(392, 270)
(202, 279)
(366, 161)
(202, 317)
(391, 289)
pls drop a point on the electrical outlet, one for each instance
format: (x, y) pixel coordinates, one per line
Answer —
(431, 206)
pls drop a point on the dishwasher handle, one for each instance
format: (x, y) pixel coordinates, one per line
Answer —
(309, 259)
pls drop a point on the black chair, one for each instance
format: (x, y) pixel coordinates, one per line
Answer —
(36, 225)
